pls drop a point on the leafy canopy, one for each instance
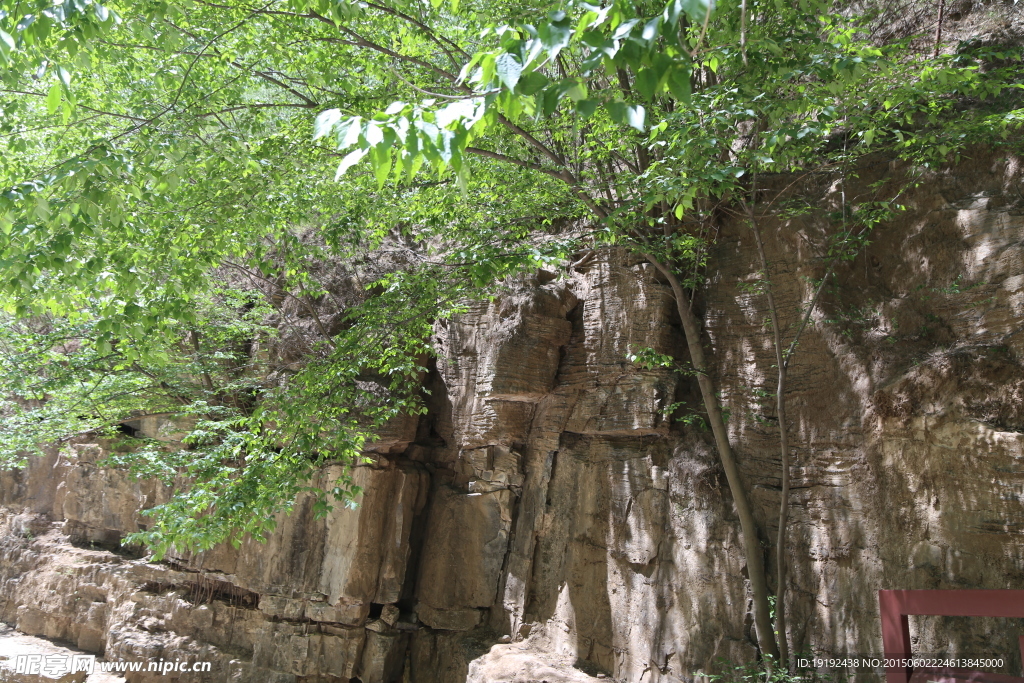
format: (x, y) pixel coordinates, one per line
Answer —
(176, 176)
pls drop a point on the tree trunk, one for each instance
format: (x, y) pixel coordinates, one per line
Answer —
(748, 528)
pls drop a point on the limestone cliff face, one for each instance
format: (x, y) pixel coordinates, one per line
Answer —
(547, 522)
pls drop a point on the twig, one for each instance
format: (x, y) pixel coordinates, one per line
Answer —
(703, 32)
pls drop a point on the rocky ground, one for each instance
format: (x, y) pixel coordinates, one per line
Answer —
(13, 643)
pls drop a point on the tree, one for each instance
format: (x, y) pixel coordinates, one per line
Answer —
(152, 147)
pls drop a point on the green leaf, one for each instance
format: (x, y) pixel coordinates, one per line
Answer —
(53, 98)
(633, 115)
(350, 160)
(586, 108)
(673, 10)
(650, 32)
(575, 90)
(647, 83)
(532, 83)
(508, 70)
(65, 77)
(636, 117)
(487, 65)
(617, 110)
(698, 10)
(679, 84)
(6, 43)
(325, 122)
(381, 158)
(549, 100)
(555, 33)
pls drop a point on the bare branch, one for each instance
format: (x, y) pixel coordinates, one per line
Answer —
(512, 160)
(309, 103)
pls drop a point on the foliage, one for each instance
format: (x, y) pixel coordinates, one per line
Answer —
(798, 89)
(173, 155)
(759, 673)
(61, 381)
(149, 148)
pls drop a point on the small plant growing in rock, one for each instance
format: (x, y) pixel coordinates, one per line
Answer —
(758, 672)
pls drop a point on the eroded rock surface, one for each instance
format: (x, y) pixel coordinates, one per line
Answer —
(547, 521)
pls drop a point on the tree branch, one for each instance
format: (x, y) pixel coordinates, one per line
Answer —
(309, 103)
(420, 25)
(512, 160)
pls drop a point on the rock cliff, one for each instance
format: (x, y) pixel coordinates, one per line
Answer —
(546, 521)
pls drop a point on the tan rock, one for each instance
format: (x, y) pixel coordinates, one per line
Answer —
(383, 657)
(466, 541)
(449, 619)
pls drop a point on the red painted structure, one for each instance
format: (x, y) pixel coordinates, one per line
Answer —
(897, 605)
